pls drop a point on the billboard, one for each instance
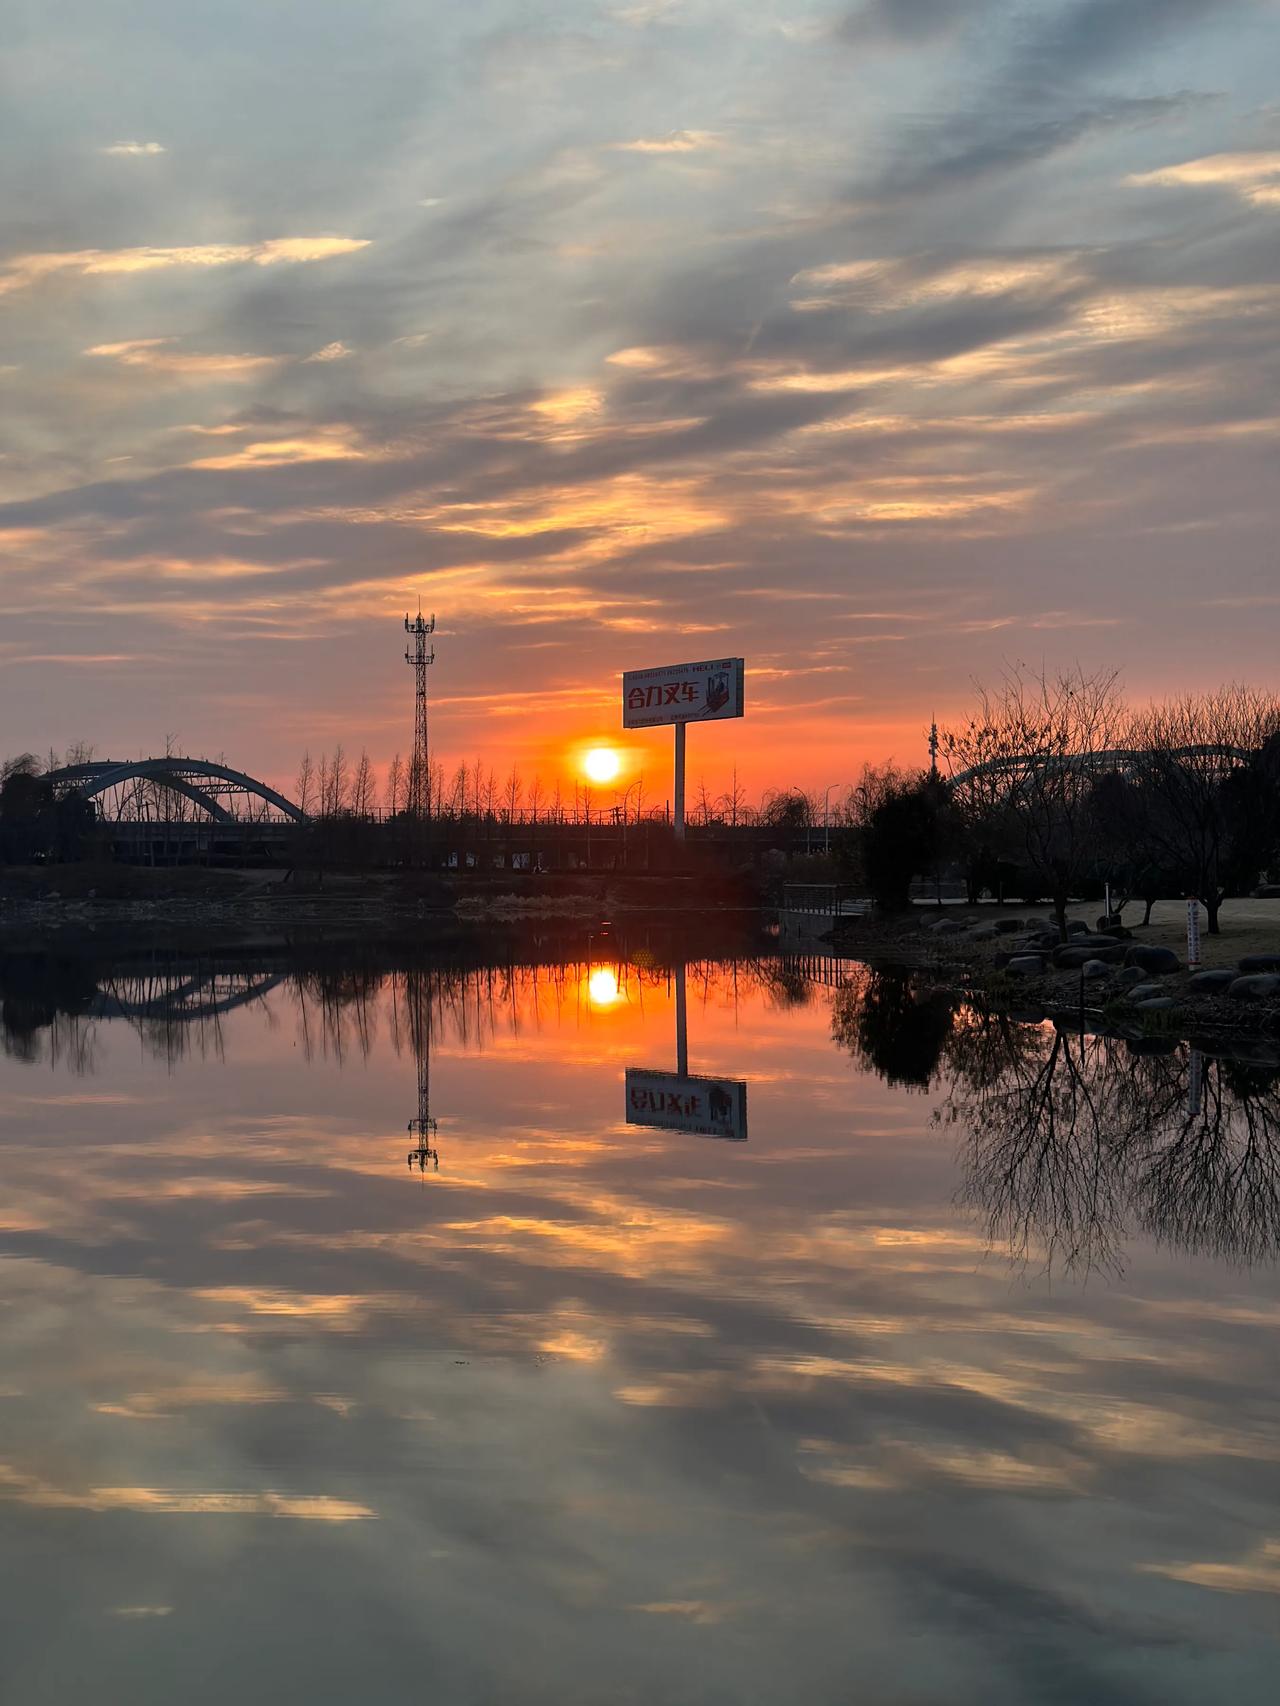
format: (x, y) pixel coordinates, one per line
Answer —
(683, 693)
(703, 1107)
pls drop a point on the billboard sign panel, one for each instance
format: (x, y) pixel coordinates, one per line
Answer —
(683, 693)
(702, 1107)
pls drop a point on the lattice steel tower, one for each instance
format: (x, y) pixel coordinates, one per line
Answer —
(423, 1127)
(420, 655)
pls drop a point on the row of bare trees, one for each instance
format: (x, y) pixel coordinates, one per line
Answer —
(1056, 785)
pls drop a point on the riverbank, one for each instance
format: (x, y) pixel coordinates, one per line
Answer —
(59, 901)
(1012, 960)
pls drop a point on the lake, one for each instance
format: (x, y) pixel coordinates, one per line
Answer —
(596, 1318)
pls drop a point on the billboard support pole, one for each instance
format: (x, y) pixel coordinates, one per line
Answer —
(679, 783)
(682, 1026)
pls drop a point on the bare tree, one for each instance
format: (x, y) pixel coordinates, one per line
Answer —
(535, 798)
(1036, 746)
(511, 795)
(339, 782)
(735, 800)
(362, 786)
(458, 792)
(305, 787)
(1199, 755)
(395, 784)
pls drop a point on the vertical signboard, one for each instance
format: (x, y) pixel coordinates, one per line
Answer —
(1193, 933)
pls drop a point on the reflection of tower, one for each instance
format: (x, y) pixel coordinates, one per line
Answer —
(423, 1127)
(420, 655)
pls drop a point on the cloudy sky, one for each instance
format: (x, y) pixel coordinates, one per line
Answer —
(883, 344)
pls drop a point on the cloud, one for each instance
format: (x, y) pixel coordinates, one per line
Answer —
(157, 355)
(336, 444)
(1259, 1572)
(1253, 176)
(1093, 34)
(675, 142)
(904, 22)
(135, 148)
(26, 270)
(336, 351)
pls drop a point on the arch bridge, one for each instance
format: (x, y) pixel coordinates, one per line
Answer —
(1124, 760)
(224, 795)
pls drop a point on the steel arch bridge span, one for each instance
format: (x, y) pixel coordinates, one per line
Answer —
(1122, 759)
(199, 780)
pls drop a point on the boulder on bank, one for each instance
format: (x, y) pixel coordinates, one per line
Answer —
(1161, 961)
(945, 927)
(1259, 962)
(1077, 927)
(1026, 965)
(1211, 982)
(1259, 986)
(1127, 976)
(1143, 992)
(1079, 954)
(1096, 968)
(1156, 1004)
(1007, 926)
(1267, 891)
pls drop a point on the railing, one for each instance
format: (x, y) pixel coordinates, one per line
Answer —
(832, 900)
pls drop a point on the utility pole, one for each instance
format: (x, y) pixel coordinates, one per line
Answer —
(420, 655)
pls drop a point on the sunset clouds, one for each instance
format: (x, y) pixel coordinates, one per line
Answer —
(606, 328)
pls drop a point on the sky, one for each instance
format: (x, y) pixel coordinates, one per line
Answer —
(885, 345)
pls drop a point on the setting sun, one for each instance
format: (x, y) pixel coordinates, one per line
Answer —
(602, 987)
(602, 764)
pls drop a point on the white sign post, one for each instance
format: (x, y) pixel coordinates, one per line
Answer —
(677, 1101)
(1193, 934)
(683, 693)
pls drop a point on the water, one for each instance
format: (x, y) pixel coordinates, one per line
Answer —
(955, 1381)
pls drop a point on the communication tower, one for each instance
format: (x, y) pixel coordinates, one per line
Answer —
(420, 655)
(424, 1154)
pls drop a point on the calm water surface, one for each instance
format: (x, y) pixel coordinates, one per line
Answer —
(947, 1374)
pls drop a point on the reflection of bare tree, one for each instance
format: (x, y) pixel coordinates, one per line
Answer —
(1072, 1140)
(1040, 1162)
(1214, 1184)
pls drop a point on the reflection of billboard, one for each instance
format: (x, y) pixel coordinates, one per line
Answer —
(703, 1107)
(683, 693)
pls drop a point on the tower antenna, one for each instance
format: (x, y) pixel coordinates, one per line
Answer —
(420, 655)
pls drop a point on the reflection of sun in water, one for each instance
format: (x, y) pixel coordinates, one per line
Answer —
(602, 764)
(602, 987)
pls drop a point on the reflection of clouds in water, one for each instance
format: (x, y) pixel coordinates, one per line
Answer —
(771, 1405)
